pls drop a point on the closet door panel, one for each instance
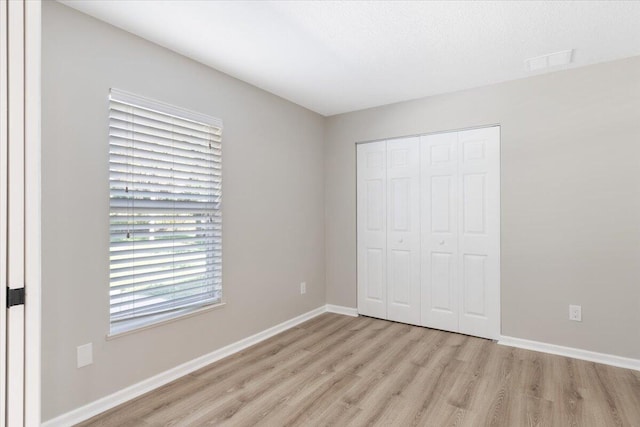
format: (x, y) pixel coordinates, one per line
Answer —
(479, 228)
(372, 229)
(403, 231)
(439, 234)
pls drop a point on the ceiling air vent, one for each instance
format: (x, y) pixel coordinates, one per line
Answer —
(550, 60)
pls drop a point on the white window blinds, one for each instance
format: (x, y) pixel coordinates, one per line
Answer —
(165, 208)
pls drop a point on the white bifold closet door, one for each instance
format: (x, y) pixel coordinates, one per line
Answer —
(389, 230)
(429, 230)
(460, 238)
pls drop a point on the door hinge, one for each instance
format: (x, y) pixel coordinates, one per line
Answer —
(15, 297)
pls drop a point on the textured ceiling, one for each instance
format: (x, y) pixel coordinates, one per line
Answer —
(338, 56)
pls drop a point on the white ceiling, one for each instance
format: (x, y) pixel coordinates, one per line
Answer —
(338, 56)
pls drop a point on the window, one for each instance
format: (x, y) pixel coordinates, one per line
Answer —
(165, 218)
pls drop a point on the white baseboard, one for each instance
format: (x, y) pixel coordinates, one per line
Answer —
(339, 309)
(576, 353)
(96, 407)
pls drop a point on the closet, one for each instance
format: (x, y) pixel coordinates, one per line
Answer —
(428, 224)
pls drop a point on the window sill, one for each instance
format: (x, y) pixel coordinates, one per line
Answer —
(137, 325)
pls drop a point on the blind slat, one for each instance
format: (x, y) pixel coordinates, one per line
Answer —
(158, 263)
(156, 112)
(187, 282)
(180, 193)
(119, 115)
(203, 160)
(157, 244)
(121, 137)
(160, 292)
(157, 275)
(117, 254)
(144, 226)
(152, 186)
(162, 166)
(160, 136)
(145, 285)
(197, 300)
(149, 172)
(137, 178)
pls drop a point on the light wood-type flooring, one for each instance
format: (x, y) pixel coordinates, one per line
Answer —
(336, 370)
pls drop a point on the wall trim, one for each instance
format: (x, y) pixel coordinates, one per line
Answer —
(104, 404)
(576, 353)
(340, 309)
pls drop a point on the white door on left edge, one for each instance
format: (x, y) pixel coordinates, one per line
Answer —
(403, 230)
(15, 136)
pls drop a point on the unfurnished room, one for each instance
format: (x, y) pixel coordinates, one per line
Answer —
(319, 213)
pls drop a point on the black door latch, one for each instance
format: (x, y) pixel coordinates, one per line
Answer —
(15, 297)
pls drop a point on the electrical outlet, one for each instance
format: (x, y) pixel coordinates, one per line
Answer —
(303, 288)
(575, 313)
(85, 355)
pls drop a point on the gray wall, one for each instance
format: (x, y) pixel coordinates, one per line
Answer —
(273, 207)
(570, 197)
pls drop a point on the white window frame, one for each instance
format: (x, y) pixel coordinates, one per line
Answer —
(174, 117)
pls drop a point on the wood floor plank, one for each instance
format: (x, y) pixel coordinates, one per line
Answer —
(338, 414)
(465, 389)
(604, 394)
(571, 397)
(336, 370)
(381, 401)
(627, 389)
